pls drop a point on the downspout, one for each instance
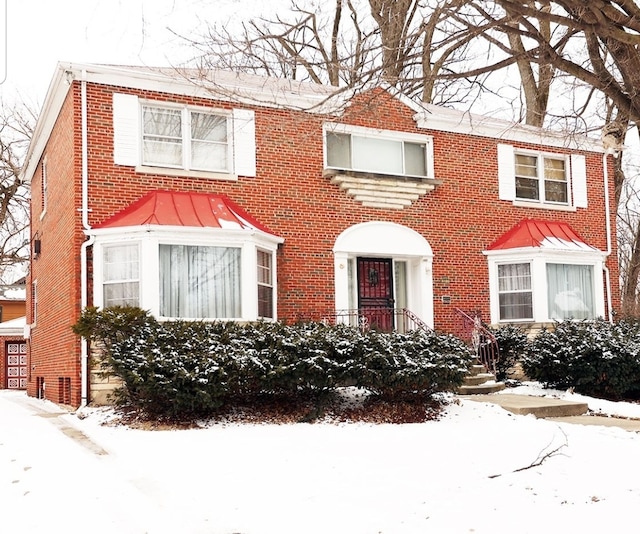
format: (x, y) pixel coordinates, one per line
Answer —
(84, 276)
(607, 218)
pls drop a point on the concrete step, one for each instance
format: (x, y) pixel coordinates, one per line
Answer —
(477, 369)
(480, 378)
(481, 389)
(541, 407)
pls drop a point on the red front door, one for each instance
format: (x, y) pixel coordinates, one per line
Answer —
(375, 292)
(16, 352)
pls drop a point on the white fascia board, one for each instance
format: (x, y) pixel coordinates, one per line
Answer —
(274, 95)
(184, 234)
(450, 120)
(528, 253)
(54, 99)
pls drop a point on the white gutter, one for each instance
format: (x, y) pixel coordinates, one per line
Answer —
(607, 218)
(84, 297)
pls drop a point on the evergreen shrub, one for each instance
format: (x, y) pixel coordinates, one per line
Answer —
(186, 369)
(512, 343)
(595, 358)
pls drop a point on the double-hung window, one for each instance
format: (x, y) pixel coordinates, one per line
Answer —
(515, 291)
(378, 154)
(541, 178)
(121, 275)
(185, 138)
(265, 284)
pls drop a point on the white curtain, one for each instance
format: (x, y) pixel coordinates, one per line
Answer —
(120, 266)
(162, 136)
(377, 155)
(199, 282)
(570, 291)
(514, 288)
(209, 142)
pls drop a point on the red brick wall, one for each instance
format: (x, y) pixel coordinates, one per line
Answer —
(293, 198)
(54, 350)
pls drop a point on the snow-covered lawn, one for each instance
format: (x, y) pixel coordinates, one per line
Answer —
(468, 472)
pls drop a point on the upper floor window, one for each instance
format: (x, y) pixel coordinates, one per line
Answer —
(542, 179)
(184, 138)
(380, 152)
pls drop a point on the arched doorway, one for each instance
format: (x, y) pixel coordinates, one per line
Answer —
(383, 273)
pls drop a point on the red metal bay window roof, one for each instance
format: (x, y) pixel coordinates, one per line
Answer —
(172, 208)
(541, 234)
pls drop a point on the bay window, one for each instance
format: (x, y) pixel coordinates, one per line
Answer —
(543, 288)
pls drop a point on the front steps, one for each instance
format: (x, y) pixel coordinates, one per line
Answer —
(479, 382)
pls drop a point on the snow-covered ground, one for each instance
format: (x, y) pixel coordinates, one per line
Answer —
(471, 471)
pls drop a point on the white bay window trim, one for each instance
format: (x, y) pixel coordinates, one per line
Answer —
(576, 176)
(149, 241)
(128, 138)
(538, 261)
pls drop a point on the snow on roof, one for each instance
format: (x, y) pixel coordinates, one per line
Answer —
(535, 233)
(14, 327)
(173, 208)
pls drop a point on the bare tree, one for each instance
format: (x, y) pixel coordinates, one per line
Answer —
(16, 128)
(353, 44)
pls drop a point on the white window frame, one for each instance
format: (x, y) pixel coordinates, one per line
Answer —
(538, 260)
(385, 135)
(575, 173)
(127, 138)
(186, 140)
(122, 280)
(265, 282)
(150, 239)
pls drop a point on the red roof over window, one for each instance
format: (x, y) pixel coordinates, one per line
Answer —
(172, 208)
(541, 234)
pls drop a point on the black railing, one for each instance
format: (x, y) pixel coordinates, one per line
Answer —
(482, 340)
(386, 319)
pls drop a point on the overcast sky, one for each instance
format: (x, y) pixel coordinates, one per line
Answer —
(42, 32)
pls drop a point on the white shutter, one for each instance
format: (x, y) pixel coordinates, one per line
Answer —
(244, 142)
(126, 129)
(579, 180)
(506, 173)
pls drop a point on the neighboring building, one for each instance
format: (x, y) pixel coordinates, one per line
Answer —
(244, 198)
(13, 347)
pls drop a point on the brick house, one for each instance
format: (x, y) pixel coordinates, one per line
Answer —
(249, 198)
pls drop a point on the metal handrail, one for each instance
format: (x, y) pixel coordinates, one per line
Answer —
(398, 319)
(482, 340)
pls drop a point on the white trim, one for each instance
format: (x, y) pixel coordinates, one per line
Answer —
(126, 130)
(579, 180)
(387, 240)
(244, 142)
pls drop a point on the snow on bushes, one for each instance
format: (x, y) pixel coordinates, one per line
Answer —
(179, 368)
